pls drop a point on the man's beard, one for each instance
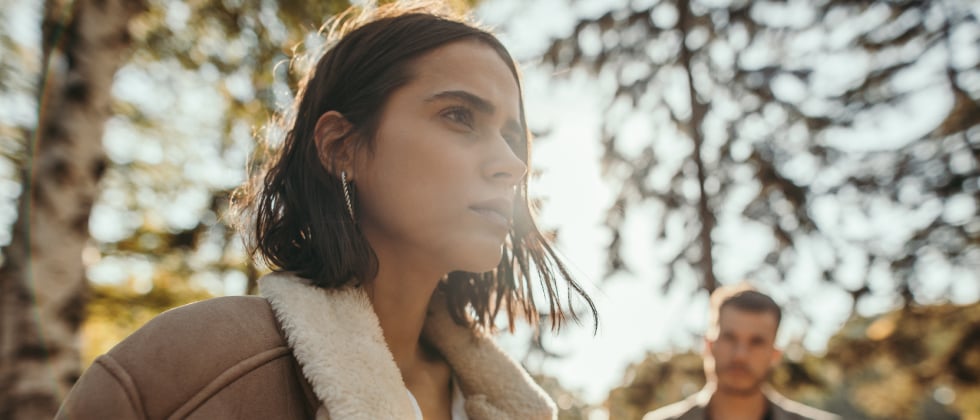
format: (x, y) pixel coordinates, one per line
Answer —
(752, 388)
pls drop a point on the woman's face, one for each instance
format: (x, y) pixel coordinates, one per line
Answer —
(438, 188)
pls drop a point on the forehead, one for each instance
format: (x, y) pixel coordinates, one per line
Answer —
(740, 321)
(472, 66)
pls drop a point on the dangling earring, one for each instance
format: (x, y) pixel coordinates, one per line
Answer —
(350, 205)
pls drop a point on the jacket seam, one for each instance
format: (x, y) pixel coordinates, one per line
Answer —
(229, 376)
(119, 373)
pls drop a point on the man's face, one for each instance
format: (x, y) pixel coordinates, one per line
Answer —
(744, 351)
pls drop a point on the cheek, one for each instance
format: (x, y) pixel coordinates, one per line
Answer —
(765, 359)
(418, 191)
(718, 351)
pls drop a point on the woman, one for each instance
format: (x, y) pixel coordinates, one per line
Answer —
(397, 220)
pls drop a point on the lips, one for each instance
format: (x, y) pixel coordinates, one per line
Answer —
(498, 211)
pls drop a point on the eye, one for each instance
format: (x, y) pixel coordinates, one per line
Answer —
(459, 115)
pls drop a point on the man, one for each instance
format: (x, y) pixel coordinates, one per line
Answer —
(739, 354)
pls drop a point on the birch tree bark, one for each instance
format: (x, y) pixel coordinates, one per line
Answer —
(42, 283)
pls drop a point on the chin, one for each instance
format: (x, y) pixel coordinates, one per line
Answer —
(742, 387)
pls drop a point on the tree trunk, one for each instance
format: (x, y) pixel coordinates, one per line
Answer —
(698, 111)
(42, 283)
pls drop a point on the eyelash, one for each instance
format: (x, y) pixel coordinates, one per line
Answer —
(463, 115)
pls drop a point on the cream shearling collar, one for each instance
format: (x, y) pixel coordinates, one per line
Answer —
(337, 340)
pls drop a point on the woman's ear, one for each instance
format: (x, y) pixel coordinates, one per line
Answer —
(334, 153)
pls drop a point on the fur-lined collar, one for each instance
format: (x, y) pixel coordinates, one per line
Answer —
(337, 340)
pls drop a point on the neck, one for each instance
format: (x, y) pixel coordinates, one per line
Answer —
(400, 295)
(736, 405)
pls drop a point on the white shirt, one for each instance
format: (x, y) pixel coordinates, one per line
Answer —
(457, 407)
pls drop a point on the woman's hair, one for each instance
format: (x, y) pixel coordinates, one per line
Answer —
(294, 211)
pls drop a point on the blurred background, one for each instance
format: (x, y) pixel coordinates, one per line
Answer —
(825, 151)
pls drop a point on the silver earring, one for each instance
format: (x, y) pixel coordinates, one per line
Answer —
(350, 205)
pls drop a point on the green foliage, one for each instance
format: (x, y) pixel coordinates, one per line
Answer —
(900, 364)
(656, 381)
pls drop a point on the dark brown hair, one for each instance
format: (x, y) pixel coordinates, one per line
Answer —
(742, 297)
(296, 219)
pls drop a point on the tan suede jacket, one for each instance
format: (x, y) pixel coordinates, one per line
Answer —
(298, 352)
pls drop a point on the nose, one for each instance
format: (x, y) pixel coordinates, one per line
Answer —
(740, 351)
(504, 166)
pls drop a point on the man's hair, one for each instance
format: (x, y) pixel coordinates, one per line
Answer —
(742, 297)
(293, 213)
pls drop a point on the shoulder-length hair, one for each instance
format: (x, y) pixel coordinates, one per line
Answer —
(295, 211)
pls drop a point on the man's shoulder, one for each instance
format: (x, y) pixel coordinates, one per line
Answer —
(787, 409)
(687, 409)
(693, 408)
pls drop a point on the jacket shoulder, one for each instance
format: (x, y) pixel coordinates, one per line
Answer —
(236, 324)
(788, 409)
(681, 410)
(185, 351)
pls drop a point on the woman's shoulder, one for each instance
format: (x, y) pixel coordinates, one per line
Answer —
(223, 309)
(230, 324)
(186, 348)
(184, 358)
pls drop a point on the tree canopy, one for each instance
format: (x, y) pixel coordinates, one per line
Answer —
(844, 133)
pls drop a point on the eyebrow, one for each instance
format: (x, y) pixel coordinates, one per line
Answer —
(477, 102)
